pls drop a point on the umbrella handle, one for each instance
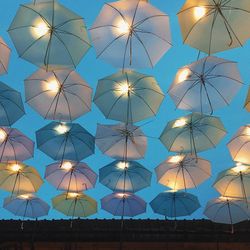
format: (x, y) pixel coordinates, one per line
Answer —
(22, 225)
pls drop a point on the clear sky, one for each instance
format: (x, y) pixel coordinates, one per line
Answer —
(92, 69)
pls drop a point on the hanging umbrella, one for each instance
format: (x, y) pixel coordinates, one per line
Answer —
(183, 171)
(227, 211)
(175, 204)
(128, 96)
(65, 141)
(19, 178)
(58, 95)
(131, 34)
(123, 204)
(14, 145)
(4, 56)
(121, 141)
(193, 133)
(71, 176)
(239, 145)
(205, 85)
(213, 26)
(234, 182)
(11, 105)
(49, 35)
(123, 176)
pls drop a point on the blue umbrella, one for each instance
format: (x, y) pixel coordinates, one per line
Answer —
(124, 176)
(65, 141)
(11, 105)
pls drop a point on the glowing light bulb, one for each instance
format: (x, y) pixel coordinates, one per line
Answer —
(67, 165)
(172, 191)
(240, 167)
(183, 75)
(225, 198)
(122, 165)
(180, 123)
(61, 129)
(72, 195)
(123, 89)
(121, 27)
(15, 167)
(40, 29)
(3, 135)
(199, 12)
(175, 158)
(122, 195)
(24, 196)
(53, 86)
(247, 131)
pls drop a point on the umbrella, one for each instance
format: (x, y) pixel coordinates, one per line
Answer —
(213, 26)
(14, 145)
(205, 85)
(175, 203)
(128, 96)
(239, 146)
(183, 171)
(121, 141)
(193, 133)
(71, 176)
(58, 95)
(49, 35)
(19, 178)
(226, 210)
(11, 105)
(234, 182)
(124, 176)
(131, 34)
(4, 56)
(65, 141)
(123, 204)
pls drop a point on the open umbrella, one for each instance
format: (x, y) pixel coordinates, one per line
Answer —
(193, 133)
(19, 178)
(128, 96)
(49, 35)
(124, 176)
(11, 105)
(183, 171)
(227, 211)
(58, 95)
(131, 34)
(121, 141)
(4, 56)
(71, 176)
(234, 182)
(213, 25)
(239, 145)
(65, 141)
(205, 85)
(14, 145)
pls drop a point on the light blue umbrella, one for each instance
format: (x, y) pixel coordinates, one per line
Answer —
(11, 105)
(65, 141)
(124, 176)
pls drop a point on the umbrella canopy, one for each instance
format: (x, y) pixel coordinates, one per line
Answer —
(75, 204)
(175, 204)
(58, 95)
(49, 35)
(65, 141)
(123, 176)
(234, 182)
(26, 205)
(121, 141)
(247, 102)
(131, 34)
(19, 178)
(226, 210)
(213, 25)
(123, 204)
(128, 96)
(14, 145)
(71, 176)
(239, 146)
(4, 56)
(193, 133)
(11, 105)
(183, 171)
(205, 85)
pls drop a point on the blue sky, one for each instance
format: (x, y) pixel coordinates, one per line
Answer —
(92, 69)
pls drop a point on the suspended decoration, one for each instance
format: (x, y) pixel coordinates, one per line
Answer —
(4, 56)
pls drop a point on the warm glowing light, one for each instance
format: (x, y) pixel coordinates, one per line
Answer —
(3, 135)
(172, 191)
(122, 195)
(24, 196)
(62, 129)
(121, 27)
(39, 29)
(183, 75)
(123, 88)
(199, 12)
(240, 167)
(122, 165)
(175, 158)
(224, 198)
(15, 167)
(67, 165)
(53, 86)
(72, 195)
(180, 123)
(247, 131)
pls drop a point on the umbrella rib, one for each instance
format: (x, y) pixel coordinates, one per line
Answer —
(68, 21)
(227, 77)
(147, 18)
(117, 10)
